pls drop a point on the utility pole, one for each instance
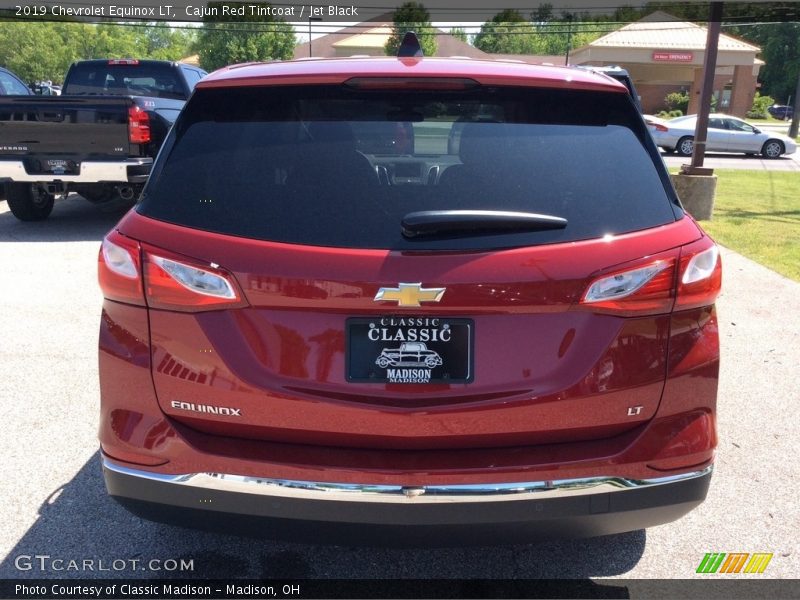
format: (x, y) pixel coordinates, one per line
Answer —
(709, 69)
(796, 118)
(309, 31)
(569, 37)
(695, 185)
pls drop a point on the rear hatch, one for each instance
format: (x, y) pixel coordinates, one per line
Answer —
(308, 280)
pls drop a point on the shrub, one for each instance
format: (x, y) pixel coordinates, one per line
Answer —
(760, 106)
(677, 101)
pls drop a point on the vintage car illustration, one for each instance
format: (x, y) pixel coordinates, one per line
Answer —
(409, 354)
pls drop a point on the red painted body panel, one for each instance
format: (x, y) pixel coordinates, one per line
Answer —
(682, 434)
(502, 431)
(336, 71)
(546, 371)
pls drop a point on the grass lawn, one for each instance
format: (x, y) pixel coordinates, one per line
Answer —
(757, 214)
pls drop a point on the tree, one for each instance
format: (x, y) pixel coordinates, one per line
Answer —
(225, 40)
(33, 51)
(44, 50)
(162, 42)
(508, 32)
(569, 31)
(412, 16)
(780, 50)
(107, 40)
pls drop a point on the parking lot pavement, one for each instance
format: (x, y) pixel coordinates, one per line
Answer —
(720, 160)
(54, 502)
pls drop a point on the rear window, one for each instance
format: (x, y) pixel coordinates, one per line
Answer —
(143, 79)
(335, 166)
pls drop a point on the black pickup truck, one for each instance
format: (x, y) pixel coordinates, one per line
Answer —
(99, 138)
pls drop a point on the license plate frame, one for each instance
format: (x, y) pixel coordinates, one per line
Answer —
(409, 349)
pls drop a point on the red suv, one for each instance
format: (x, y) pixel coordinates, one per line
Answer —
(305, 218)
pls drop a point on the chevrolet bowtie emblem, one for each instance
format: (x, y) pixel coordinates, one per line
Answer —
(409, 294)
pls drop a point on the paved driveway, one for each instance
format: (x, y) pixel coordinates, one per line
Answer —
(721, 160)
(54, 502)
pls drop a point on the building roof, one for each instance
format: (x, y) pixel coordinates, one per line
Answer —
(373, 38)
(532, 59)
(370, 37)
(661, 30)
(193, 59)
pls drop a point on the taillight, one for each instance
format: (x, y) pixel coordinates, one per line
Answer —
(123, 61)
(178, 283)
(119, 269)
(660, 127)
(701, 275)
(138, 126)
(652, 286)
(146, 276)
(645, 289)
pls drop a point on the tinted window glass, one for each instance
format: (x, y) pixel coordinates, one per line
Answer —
(737, 125)
(192, 76)
(332, 166)
(10, 85)
(144, 79)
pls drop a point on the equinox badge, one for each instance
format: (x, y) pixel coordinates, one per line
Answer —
(207, 408)
(409, 294)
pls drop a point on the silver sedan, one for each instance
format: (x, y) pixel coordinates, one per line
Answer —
(725, 134)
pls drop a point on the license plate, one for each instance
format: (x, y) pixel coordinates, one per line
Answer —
(409, 350)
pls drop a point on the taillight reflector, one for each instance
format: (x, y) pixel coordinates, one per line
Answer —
(119, 269)
(701, 275)
(138, 126)
(178, 283)
(136, 274)
(645, 289)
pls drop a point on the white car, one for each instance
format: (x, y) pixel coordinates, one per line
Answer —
(725, 134)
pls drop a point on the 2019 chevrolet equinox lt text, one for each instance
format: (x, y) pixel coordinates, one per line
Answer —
(306, 218)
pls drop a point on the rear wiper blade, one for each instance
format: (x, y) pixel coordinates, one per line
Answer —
(436, 222)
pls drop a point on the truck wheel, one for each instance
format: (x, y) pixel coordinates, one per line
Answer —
(28, 202)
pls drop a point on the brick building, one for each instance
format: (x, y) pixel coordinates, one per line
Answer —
(665, 55)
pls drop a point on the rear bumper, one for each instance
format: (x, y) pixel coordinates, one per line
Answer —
(132, 170)
(388, 515)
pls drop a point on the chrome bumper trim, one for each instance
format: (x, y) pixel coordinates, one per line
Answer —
(91, 172)
(489, 492)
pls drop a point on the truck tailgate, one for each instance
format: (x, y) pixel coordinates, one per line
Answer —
(79, 126)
